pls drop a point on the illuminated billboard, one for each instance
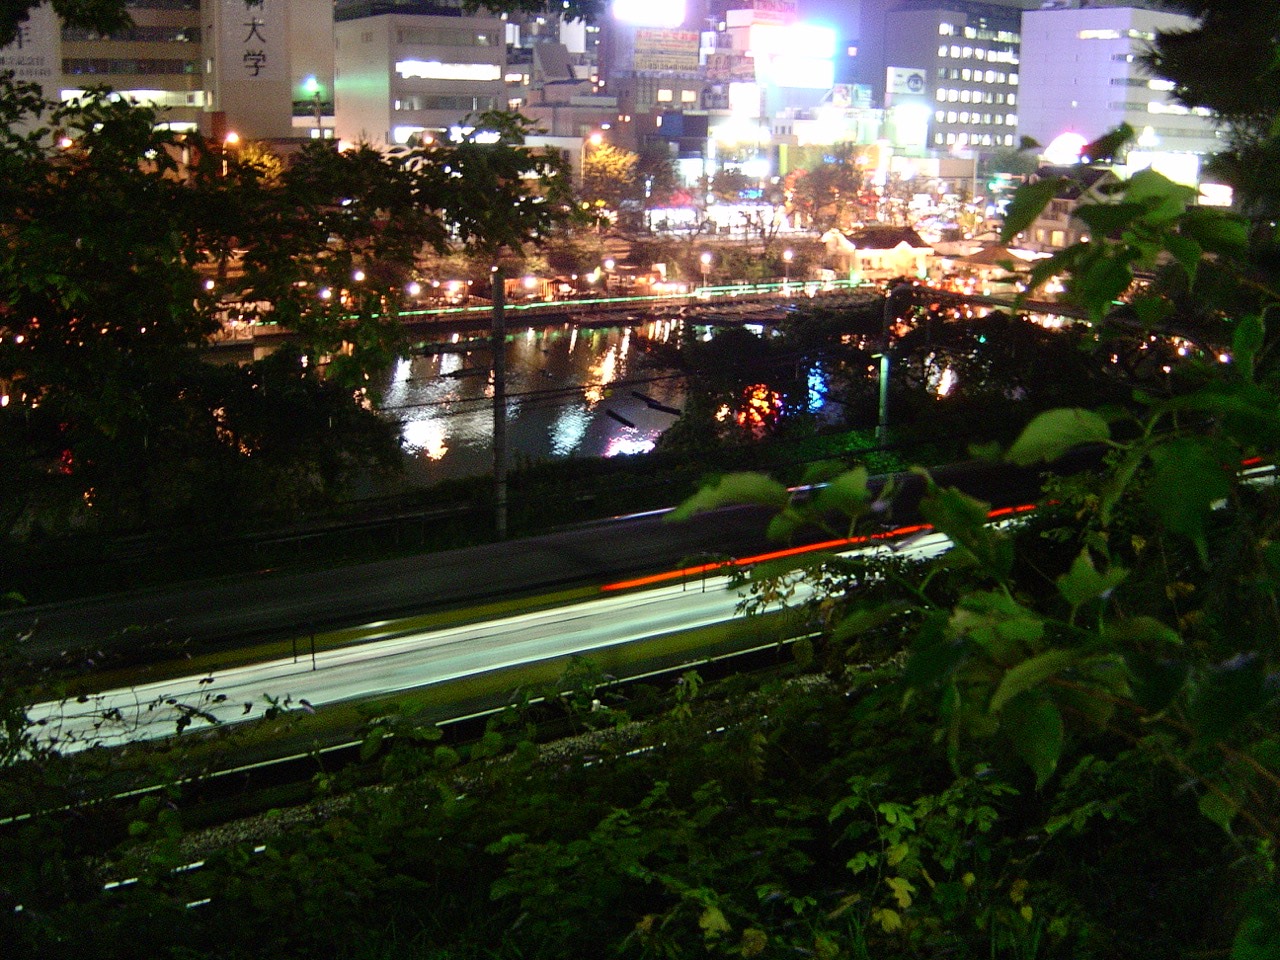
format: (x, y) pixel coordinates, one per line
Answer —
(666, 49)
(801, 72)
(649, 13)
(792, 40)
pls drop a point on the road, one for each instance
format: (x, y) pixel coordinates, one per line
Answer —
(396, 662)
(265, 604)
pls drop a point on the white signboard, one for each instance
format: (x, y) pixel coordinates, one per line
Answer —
(33, 56)
(906, 82)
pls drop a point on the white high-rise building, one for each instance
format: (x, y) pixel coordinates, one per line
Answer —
(1082, 76)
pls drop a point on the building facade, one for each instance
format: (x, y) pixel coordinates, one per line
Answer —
(1084, 76)
(413, 74)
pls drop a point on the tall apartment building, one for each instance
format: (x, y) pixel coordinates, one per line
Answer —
(158, 60)
(877, 38)
(253, 67)
(411, 69)
(1083, 76)
(952, 75)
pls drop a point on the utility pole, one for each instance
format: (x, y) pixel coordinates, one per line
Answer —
(499, 337)
(897, 300)
(312, 86)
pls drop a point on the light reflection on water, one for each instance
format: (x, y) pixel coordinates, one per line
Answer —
(563, 384)
(571, 392)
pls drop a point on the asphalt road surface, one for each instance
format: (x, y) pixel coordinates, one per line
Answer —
(241, 609)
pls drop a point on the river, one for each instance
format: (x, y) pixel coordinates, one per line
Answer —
(569, 391)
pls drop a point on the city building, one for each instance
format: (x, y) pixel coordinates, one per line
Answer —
(261, 69)
(952, 78)
(1083, 76)
(404, 70)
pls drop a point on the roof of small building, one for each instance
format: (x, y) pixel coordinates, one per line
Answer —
(883, 237)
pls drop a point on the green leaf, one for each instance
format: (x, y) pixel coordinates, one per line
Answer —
(733, 489)
(1027, 204)
(1219, 808)
(1215, 231)
(1105, 219)
(860, 621)
(372, 743)
(848, 494)
(931, 664)
(1034, 727)
(1102, 282)
(1258, 935)
(1107, 145)
(1083, 582)
(1227, 695)
(1054, 432)
(1246, 341)
(1187, 252)
(713, 923)
(964, 520)
(1187, 479)
(1155, 681)
(1030, 674)
(1164, 200)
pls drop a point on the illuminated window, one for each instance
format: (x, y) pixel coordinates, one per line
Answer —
(942, 50)
(1013, 98)
(967, 53)
(953, 96)
(1099, 35)
(966, 74)
(989, 76)
(937, 138)
(946, 30)
(435, 70)
(688, 96)
(951, 139)
(999, 98)
(1011, 119)
(999, 119)
(955, 52)
(1013, 79)
(964, 116)
(1057, 239)
(951, 116)
(940, 115)
(665, 96)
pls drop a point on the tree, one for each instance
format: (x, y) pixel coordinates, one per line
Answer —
(608, 176)
(1246, 100)
(1129, 636)
(116, 274)
(831, 193)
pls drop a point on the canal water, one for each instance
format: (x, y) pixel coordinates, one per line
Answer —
(571, 392)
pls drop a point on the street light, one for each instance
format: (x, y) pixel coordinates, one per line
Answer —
(786, 270)
(706, 267)
(312, 86)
